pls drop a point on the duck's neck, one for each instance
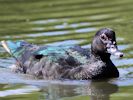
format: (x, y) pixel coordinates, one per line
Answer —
(109, 68)
(105, 57)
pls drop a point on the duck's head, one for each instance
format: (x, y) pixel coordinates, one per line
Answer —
(104, 43)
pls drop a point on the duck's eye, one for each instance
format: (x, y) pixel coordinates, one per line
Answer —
(103, 37)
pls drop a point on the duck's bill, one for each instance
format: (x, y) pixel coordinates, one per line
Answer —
(115, 52)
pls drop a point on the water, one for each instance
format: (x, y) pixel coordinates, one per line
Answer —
(55, 22)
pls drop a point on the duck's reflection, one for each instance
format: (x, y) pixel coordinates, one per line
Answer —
(94, 90)
(99, 90)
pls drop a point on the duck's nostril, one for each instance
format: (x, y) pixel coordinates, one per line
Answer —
(121, 55)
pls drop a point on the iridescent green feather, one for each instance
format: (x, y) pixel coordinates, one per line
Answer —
(53, 53)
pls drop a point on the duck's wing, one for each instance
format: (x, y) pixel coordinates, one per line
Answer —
(15, 49)
(71, 55)
(20, 50)
(81, 54)
(23, 50)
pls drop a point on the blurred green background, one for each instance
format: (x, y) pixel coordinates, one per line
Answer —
(59, 22)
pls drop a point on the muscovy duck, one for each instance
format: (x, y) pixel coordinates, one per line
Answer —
(67, 61)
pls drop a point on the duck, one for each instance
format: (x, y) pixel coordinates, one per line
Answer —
(67, 61)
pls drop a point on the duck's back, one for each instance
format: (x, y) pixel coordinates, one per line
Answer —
(68, 53)
(36, 60)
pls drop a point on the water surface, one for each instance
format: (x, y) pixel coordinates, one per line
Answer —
(58, 22)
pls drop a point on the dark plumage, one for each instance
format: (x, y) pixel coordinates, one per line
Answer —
(67, 62)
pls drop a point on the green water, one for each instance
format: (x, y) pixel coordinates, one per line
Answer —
(56, 22)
